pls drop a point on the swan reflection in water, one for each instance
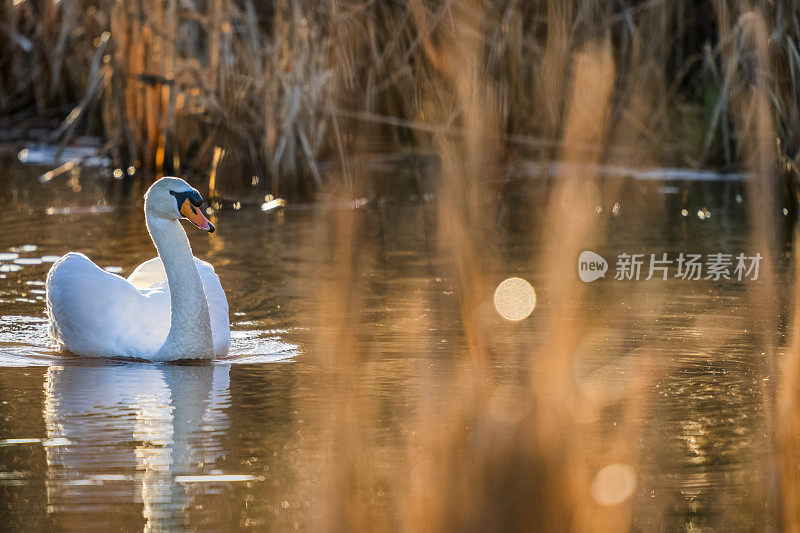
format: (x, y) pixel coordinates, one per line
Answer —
(133, 433)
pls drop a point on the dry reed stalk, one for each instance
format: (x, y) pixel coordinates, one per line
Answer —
(553, 72)
(349, 459)
(748, 74)
(487, 468)
(340, 493)
(758, 143)
(466, 203)
(587, 120)
(559, 404)
(786, 422)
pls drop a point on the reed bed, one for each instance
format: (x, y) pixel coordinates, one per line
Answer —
(285, 88)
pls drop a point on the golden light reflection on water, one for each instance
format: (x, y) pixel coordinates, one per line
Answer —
(514, 299)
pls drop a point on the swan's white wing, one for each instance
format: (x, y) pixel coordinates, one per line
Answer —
(97, 313)
(148, 274)
(151, 278)
(217, 307)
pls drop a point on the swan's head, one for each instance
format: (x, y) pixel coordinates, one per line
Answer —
(173, 198)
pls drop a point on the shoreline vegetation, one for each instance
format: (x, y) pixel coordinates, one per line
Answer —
(295, 96)
(292, 94)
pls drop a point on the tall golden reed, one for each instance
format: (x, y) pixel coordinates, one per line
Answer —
(284, 86)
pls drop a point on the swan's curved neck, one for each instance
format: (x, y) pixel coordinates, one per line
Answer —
(190, 326)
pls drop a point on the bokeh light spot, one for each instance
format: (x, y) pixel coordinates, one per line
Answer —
(514, 299)
(614, 484)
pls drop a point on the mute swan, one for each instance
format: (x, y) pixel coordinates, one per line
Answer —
(172, 307)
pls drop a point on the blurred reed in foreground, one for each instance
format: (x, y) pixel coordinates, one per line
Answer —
(277, 93)
(532, 452)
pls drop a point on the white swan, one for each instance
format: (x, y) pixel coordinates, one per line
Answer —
(172, 307)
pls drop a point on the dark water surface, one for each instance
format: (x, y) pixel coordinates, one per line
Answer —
(235, 444)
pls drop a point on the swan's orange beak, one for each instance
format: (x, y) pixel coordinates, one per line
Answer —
(196, 216)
